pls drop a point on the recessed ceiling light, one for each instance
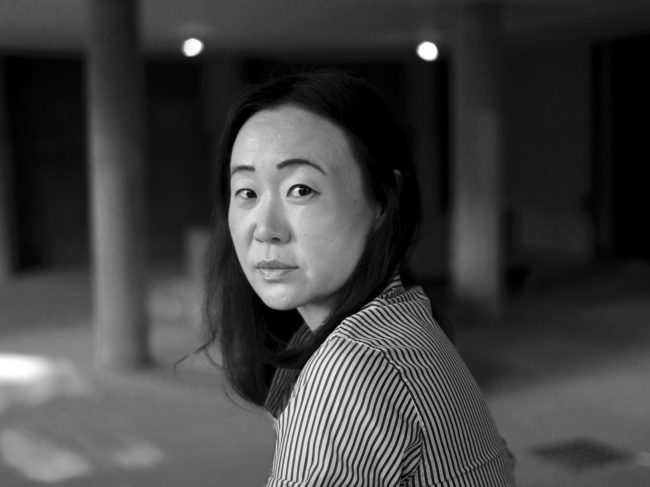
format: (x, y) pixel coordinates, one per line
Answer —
(427, 51)
(192, 47)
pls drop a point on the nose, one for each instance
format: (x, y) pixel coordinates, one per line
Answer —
(271, 225)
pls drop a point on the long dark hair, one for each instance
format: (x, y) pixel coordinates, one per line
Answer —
(236, 317)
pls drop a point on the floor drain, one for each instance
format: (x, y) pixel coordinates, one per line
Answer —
(581, 454)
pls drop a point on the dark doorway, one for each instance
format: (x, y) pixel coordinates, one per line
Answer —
(621, 149)
(46, 123)
(630, 116)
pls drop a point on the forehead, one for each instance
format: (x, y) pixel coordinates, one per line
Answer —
(288, 132)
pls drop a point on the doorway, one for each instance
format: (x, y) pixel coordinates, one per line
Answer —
(622, 147)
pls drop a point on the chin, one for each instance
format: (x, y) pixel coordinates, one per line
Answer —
(278, 306)
(277, 303)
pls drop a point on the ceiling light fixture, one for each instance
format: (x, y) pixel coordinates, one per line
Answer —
(192, 47)
(427, 51)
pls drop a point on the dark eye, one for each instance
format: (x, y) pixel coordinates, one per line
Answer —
(245, 194)
(300, 191)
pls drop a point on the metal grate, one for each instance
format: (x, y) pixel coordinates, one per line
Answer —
(582, 454)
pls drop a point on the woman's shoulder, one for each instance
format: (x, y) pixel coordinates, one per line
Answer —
(351, 364)
(399, 317)
(395, 331)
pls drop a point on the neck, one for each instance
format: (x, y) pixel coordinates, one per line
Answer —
(314, 315)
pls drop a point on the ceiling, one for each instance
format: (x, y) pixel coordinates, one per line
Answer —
(307, 26)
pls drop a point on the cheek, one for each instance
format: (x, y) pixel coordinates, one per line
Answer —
(311, 226)
(232, 227)
(237, 232)
(338, 232)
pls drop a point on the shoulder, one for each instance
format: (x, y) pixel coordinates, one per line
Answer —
(350, 383)
(346, 376)
(342, 360)
(398, 319)
(350, 417)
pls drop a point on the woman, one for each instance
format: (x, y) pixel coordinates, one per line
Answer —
(317, 206)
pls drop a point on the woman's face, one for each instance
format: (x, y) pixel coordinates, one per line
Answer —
(298, 214)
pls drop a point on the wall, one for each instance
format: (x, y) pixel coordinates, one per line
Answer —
(45, 111)
(548, 123)
(178, 170)
(46, 114)
(547, 155)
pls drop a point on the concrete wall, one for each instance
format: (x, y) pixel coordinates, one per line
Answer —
(548, 149)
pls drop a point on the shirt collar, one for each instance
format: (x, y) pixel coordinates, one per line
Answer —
(393, 287)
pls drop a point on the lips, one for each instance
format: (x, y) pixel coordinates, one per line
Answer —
(273, 270)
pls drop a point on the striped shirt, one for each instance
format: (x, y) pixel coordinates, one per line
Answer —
(385, 401)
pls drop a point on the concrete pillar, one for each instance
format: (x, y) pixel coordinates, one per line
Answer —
(423, 114)
(116, 151)
(7, 227)
(476, 260)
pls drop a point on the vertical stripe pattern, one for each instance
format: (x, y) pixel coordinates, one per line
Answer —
(385, 401)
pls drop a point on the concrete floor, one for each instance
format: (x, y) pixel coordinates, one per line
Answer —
(570, 360)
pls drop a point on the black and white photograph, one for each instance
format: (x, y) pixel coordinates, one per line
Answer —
(324, 243)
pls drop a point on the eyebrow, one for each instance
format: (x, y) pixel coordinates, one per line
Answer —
(281, 165)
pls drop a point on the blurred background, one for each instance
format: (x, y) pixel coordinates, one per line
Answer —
(528, 120)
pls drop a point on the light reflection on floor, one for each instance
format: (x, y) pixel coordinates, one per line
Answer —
(39, 459)
(33, 380)
(39, 452)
